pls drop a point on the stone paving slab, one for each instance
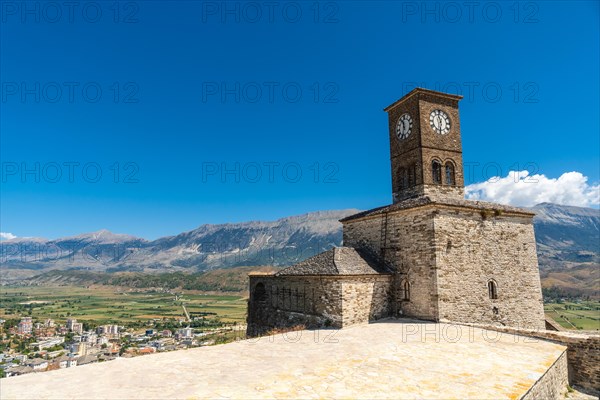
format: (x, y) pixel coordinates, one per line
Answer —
(386, 360)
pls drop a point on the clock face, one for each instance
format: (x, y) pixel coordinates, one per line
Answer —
(404, 126)
(439, 121)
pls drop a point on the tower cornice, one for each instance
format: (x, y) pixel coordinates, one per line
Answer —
(418, 91)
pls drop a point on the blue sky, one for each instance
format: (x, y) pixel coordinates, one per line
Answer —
(126, 117)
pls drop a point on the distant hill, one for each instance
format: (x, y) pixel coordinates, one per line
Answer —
(568, 241)
(234, 279)
(282, 242)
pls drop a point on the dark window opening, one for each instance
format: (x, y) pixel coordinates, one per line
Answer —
(436, 172)
(412, 175)
(260, 293)
(450, 174)
(403, 177)
(405, 290)
(492, 290)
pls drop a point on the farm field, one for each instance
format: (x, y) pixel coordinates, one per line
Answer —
(581, 316)
(110, 304)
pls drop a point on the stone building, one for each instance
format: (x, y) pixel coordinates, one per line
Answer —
(430, 255)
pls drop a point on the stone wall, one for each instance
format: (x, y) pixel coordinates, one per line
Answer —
(293, 301)
(365, 299)
(405, 240)
(442, 193)
(474, 248)
(449, 254)
(583, 353)
(316, 301)
(553, 384)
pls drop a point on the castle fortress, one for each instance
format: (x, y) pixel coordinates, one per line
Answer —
(431, 255)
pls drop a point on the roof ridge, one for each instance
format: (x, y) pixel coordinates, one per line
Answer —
(334, 260)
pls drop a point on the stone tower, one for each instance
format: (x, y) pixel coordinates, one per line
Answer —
(424, 132)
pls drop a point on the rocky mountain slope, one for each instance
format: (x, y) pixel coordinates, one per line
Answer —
(282, 242)
(568, 247)
(568, 240)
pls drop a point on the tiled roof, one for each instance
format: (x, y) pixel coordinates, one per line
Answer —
(20, 369)
(86, 359)
(424, 200)
(337, 261)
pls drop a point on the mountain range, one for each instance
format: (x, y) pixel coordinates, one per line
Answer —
(282, 242)
(568, 240)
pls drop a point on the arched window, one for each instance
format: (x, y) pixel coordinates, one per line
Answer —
(436, 172)
(492, 290)
(260, 293)
(405, 290)
(450, 174)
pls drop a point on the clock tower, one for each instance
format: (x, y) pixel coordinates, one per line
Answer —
(425, 146)
(431, 255)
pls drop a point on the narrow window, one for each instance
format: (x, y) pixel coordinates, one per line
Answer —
(405, 290)
(449, 173)
(272, 297)
(260, 293)
(297, 296)
(436, 172)
(403, 175)
(492, 290)
(412, 175)
(304, 299)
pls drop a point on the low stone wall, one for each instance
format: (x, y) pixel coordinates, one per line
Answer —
(316, 301)
(310, 302)
(553, 384)
(583, 353)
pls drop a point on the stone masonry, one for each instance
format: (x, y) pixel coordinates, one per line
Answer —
(334, 289)
(449, 252)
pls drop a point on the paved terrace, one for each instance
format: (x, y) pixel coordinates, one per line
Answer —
(389, 359)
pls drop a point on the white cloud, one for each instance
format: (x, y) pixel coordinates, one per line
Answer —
(6, 236)
(521, 189)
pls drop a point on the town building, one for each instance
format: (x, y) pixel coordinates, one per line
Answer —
(25, 326)
(51, 342)
(184, 333)
(74, 326)
(80, 348)
(38, 364)
(65, 361)
(110, 330)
